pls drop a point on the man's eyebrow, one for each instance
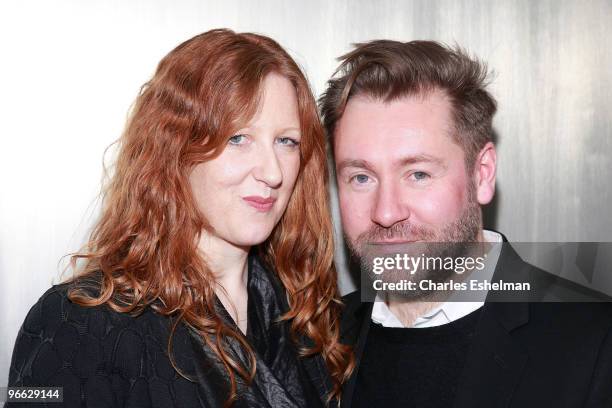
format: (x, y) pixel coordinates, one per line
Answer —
(422, 158)
(364, 164)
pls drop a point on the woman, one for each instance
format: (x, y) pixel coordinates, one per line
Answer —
(208, 280)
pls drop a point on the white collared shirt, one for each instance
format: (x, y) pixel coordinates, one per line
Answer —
(444, 313)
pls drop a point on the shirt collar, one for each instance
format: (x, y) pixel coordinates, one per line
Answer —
(444, 313)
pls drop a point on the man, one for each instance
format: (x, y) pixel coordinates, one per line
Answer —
(410, 131)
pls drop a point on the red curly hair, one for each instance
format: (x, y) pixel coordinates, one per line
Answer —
(144, 246)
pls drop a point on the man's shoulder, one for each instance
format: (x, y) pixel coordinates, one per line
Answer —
(352, 299)
(354, 305)
(353, 314)
(569, 316)
(544, 286)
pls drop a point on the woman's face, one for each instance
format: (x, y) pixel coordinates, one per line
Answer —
(244, 191)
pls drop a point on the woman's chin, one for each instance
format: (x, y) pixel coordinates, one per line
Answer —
(251, 239)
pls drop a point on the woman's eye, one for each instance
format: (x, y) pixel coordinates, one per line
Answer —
(287, 141)
(420, 175)
(237, 139)
(360, 179)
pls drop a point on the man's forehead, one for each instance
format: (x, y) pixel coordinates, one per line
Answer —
(396, 130)
(407, 107)
(406, 114)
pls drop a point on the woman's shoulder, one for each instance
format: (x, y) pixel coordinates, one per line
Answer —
(54, 311)
(90, 350)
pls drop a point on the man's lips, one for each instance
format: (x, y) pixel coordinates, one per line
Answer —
(393, 241)
(260, 203)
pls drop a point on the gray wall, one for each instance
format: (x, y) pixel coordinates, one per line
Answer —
(71, 70)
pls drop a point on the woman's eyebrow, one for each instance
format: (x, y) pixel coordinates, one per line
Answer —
(251, 128)
(290, 129)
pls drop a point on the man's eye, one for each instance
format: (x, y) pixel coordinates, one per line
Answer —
(287, 141)
(237, 139)
(420, 175)
(360, 178)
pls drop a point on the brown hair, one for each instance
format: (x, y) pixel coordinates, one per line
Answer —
(144, 246)
(387, 70)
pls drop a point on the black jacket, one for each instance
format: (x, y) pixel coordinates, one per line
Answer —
(107, 359)
(524, 354)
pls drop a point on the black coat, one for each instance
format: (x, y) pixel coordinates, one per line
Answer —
(107, 359)
(524, 354)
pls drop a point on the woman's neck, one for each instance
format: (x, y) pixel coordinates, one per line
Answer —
(229, 265)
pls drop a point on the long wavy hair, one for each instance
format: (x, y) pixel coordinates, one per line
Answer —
(143, 250)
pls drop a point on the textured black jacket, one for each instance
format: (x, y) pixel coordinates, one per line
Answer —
(524, 354)
(102, 358)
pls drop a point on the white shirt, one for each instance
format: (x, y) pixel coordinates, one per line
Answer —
(446, 312)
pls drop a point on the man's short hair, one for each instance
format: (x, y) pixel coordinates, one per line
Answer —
(387, 70)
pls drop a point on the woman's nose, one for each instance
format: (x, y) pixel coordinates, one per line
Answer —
(267, 167)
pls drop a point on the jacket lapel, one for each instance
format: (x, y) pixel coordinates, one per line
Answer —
(211, 376)
(356, 333)
(317, 373)
(496, 362)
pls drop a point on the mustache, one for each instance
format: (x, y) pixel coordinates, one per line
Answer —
(404, 230)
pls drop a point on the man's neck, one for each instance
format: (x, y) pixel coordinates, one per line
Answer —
(408, 311)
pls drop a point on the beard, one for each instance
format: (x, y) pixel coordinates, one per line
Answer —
(454, 239)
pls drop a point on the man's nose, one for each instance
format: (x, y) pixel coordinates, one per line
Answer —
(388, 208)
(267, 167)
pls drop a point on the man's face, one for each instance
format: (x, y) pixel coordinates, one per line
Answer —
(402, 178)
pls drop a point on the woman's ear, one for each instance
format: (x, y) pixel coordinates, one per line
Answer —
(484, 173)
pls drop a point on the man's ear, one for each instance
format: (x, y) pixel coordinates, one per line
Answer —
(484, 173)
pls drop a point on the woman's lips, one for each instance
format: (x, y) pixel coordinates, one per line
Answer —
(260, 203)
